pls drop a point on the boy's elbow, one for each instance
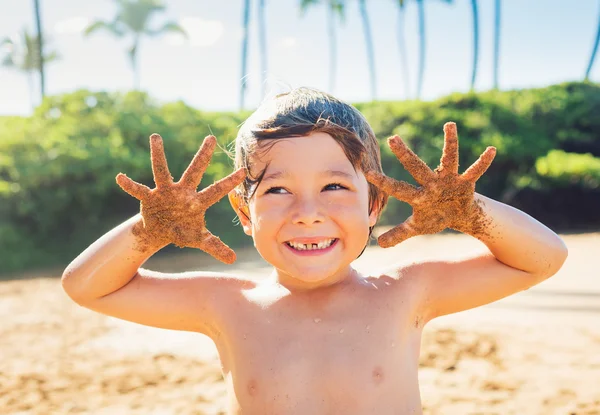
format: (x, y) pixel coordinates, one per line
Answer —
(557, 259)
(69, 285)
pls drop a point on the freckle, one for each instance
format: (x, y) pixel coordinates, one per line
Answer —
(252, 387)
(417, 322)
(378, 375)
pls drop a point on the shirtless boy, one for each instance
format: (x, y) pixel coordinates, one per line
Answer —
(315, 336)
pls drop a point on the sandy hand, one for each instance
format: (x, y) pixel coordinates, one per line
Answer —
(445, 198)
(174, 212)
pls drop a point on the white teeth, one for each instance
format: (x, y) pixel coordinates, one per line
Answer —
(312, 246)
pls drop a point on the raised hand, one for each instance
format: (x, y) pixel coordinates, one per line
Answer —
(445, 198)
(173, 212)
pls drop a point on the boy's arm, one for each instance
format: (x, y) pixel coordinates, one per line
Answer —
(107, 278)
(523, 253)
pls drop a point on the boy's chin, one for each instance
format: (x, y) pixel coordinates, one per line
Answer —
(316, 276)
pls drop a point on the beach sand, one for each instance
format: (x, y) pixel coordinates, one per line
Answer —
(537, 352)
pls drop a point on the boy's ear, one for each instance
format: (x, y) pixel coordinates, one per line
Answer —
(373, 217)
(375, 213)
(241, 209)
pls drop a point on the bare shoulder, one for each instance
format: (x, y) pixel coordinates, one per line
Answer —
(402, 274)
(400, 279)
(189, 301)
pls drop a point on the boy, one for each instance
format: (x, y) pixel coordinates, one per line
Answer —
(314, 337)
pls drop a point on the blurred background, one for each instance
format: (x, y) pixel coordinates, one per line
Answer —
(84, 84)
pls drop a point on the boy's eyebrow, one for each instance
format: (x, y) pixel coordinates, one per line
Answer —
(338, 173)
(284, 173)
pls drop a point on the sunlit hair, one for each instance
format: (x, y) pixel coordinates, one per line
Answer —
(298, 113)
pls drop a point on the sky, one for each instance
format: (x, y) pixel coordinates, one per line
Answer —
(543, 43)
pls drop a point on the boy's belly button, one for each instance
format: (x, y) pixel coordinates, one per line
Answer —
(378, 375)
(252, 387)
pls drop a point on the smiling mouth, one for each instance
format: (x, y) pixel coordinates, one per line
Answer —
(324, 244)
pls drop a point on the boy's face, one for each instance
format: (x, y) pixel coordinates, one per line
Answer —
(309, 217)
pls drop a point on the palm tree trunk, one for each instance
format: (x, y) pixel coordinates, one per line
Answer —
(133, 55)
(40, 57)
(332, 46)
(263, 46)
(402, 49)
(246, 21)
(30, 84)
(497, 19)
(421, 9)
(594, 50)
(369, 43)
(475, 42)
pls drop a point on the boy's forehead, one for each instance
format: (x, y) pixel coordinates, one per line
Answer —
(317, 152)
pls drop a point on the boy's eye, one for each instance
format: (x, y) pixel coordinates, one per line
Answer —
(334, 186)
(275, 190)
(281, 190)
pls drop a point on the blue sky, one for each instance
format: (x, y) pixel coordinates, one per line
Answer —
(543, 42)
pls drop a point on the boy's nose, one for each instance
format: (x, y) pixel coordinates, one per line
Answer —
(307, 212)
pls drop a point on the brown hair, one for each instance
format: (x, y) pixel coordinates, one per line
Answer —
(303, 111)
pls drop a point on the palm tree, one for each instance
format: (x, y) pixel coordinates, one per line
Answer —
(497, 10)
(369, 43)
(245, 24)
(23, 54)
(133, 18)
(333, 7)
(422, 43)
(475, 42)
(402, 48)
(421, 71)
(38, 24)
(594, 50)
(262, 37)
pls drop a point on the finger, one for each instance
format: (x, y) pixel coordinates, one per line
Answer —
(193, 174)
(411, 162)
(449, 161)
(397, 234)
(213, 193)
(216, 248)
(160, 169)
(477, 169)
(139, 191)
(400, 190)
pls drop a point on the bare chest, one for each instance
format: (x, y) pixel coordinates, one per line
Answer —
(305, 359)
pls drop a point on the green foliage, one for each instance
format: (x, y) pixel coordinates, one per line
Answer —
(570, 169)
(57, 168)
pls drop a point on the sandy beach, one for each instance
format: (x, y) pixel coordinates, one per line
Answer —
(537, 352)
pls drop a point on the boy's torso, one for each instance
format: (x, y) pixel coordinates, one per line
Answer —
(350, 350)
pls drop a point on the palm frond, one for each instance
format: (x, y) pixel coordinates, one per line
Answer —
(112, 27)
(7, 61)
(339, 8)
(169, 27)
(51, 57)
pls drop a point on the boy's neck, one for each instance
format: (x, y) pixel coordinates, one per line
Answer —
(291, 283)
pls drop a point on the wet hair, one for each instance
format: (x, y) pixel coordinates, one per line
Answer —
(301, 112)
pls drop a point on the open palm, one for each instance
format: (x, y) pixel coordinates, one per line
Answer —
(174, 212)
(445, 198)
